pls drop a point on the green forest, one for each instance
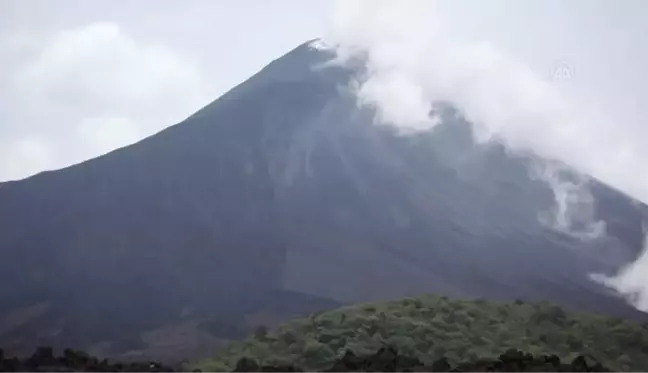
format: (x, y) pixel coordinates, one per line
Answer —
(431, 327)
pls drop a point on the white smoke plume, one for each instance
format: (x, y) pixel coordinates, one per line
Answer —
(419, 52)
(632, 280)
(574, 212)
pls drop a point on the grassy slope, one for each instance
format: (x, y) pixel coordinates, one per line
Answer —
(430, 327)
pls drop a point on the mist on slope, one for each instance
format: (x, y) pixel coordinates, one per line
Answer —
(420, 52)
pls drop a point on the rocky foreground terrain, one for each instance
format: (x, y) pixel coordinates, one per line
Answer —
(384, 360)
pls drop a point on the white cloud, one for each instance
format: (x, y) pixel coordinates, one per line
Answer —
(100, 68)
(89, 90)
(574, 212)
(145, 64)
(103, 134)
(24, 155)
(631, 280)
(419, 52)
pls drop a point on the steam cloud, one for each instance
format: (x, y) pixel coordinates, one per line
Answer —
(632, 280)
(414, 56)
(574, 212)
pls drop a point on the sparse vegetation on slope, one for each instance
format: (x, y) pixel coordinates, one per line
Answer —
(430, 327)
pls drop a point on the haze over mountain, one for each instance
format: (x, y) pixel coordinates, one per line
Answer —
(283, 197)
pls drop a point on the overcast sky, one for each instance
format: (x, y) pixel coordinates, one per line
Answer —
(79, 78)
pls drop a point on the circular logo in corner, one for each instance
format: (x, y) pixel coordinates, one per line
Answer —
(562, 72)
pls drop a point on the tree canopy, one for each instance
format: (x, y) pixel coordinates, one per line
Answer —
(429, 328)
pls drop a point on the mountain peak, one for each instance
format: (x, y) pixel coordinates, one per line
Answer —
(280, 198)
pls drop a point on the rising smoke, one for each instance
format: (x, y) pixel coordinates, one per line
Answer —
(573, 213)
(415, 56)
(632, 280)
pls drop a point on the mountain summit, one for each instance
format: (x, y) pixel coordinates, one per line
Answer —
(280, 198)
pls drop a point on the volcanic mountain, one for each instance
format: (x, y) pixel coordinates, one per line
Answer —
(280, 198)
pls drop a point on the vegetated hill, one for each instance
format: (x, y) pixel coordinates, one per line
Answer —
(432, 327)
(277, 199)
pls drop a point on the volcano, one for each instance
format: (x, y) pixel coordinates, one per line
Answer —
(280, 198)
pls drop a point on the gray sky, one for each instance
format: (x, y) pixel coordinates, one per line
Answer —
(563, 78)
(79, 78)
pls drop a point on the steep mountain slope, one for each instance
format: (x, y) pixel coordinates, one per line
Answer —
(279, 198)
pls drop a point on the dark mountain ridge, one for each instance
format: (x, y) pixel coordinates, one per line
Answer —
(280, 198)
